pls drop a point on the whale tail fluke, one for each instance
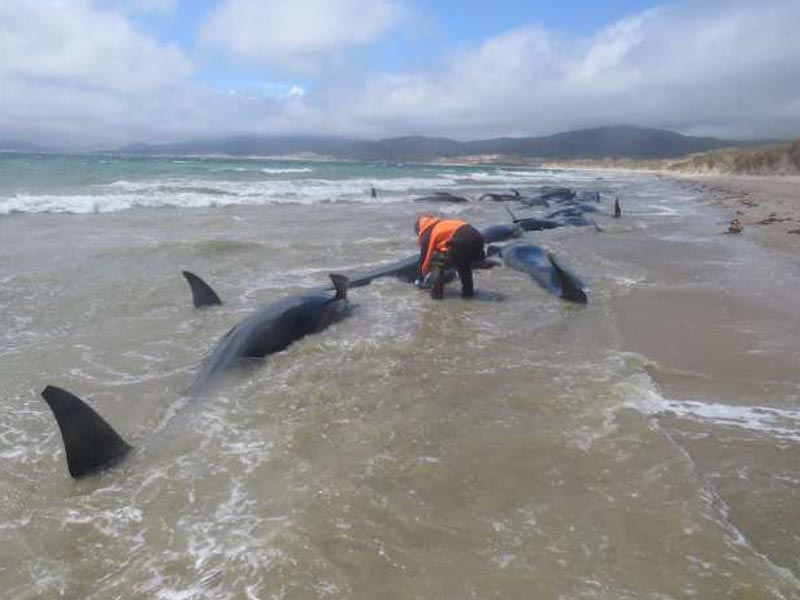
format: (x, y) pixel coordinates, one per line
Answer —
(90, 443)
(340, 283)
(202, 294)
(570, 287)
(617, 209)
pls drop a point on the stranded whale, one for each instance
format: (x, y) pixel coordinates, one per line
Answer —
(543, 268)
(91, 444)
(274, 327)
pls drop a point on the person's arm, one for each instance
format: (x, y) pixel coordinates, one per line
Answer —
(424, 253)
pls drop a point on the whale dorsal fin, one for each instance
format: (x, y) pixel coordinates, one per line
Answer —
(617, 209)
(202, 294)
(514, 218)
(341, 283)
(570, 289)
(90, 443)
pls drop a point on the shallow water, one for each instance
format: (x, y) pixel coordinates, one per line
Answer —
(644, 446)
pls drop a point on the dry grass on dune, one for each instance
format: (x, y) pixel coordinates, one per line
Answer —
(780, 159)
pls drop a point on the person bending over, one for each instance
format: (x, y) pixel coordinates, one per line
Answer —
(443, 244)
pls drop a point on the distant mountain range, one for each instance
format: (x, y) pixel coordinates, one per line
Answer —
(622, 141)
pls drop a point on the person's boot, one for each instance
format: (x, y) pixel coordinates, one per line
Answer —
(437, 289)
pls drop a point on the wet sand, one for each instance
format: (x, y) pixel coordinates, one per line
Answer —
(768, 207)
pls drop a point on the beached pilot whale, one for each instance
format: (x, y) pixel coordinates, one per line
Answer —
(91, 444)
(543, 268)
(274, 327)
(532, 223)
(501, 197)
(441, 197)
(500, 233)
(406, 269)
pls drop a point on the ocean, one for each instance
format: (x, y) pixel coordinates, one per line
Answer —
(644, 446)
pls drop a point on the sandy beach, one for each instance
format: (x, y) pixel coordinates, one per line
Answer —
(768, 207)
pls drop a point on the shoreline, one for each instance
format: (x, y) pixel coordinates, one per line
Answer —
(767, 206)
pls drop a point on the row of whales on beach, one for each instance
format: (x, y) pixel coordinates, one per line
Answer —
(92, 445)
(570, 206)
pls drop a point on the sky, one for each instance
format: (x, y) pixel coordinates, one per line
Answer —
(83, 73)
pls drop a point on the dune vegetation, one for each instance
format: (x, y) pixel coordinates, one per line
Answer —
(779, 159)
(775, 159)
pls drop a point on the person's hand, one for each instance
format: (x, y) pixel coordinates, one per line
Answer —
(423, 284)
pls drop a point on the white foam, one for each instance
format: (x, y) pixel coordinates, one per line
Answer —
(108, 522)
(780, 423)
(500, 176)
(199, 193)
(275, 171)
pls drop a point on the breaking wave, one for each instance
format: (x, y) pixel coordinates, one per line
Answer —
(124, 194)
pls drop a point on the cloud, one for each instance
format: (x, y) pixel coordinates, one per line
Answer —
(715, 68)
(66, 43)
(139, 6)
(300, 35)
(74, 72)
(68, 70)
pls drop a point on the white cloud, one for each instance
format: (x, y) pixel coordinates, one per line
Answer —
(299, 35)
(71, 72)
(66, 43)
(713, 67)
(139, 6)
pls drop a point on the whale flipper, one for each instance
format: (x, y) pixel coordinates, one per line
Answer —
(617, 209)
(514, 218)
(90, 443)
(570, 289)
(202, 294)
(340, 283)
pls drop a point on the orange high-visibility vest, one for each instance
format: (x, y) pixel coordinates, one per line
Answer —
(441, 234)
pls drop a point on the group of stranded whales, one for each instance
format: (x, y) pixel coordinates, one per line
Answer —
(91, 444)
(569, 207)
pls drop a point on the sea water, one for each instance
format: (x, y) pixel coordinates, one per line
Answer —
(514, 446)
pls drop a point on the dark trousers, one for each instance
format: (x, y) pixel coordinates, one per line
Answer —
(466, 248)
